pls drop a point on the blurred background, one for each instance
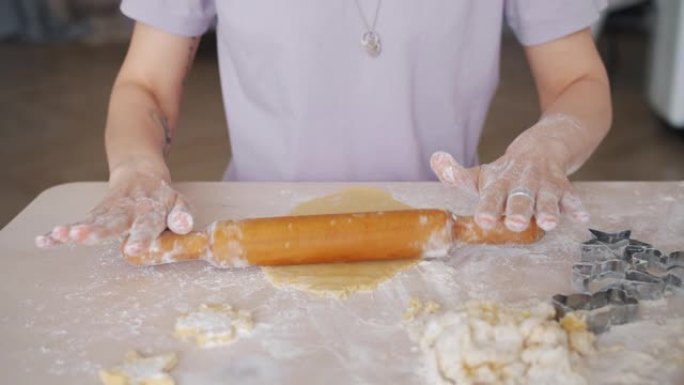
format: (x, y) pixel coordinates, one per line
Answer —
(58, 60)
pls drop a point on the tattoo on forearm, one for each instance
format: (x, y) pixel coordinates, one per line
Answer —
(161, 121)
(159, 118)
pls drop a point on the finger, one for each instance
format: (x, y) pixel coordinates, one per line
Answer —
(491, 205)
(149, 222)
(96, 229)
(82, 232)
(46, 241)
(60, 233)
(180, 219)
(451, 173)
(57, 236)
(547, 210)
(571, 204)
(520, 207)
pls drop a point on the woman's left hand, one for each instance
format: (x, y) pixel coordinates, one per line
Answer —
(530, 179)
(526, 181)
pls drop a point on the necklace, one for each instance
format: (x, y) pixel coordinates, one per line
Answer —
(370, 40)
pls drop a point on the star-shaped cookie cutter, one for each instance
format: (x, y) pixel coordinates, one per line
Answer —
(614, 274)
(600, 310)
(615, 260)
(656, 263)
(605, 246)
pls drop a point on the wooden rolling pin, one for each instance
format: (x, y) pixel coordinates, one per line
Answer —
(355, 237)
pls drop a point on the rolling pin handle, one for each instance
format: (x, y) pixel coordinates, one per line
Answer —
(465, 230)
(172, 247)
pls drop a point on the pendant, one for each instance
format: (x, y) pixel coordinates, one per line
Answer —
(371, 42)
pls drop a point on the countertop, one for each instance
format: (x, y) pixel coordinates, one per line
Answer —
(70, 311)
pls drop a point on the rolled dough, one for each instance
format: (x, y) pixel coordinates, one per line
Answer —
(341, 279)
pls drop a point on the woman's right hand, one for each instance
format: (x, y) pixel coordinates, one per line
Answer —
(140, 204)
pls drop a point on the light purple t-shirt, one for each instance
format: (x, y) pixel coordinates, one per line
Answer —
(305, 102)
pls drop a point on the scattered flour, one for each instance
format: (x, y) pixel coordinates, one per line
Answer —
(640, 353)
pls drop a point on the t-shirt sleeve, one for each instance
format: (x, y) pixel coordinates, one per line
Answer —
(179, 17)
(540, 21)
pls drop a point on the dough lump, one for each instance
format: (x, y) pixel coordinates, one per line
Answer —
(488, 344)
(341, 279)
(214, 324)
(139, 370)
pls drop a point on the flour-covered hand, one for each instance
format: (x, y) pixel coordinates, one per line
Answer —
(139, 204)
(530, 179)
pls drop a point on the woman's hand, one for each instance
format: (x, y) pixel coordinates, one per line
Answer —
(140, 204)
(143, 112)
(528, 180)
(531, 177)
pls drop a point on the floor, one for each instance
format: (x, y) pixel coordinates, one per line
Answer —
(53, 102)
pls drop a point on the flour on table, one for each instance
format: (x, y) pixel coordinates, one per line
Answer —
(418, 308)
(341, 279)
(138, 370)
(485, 343)
(214, 324)
(647, 352)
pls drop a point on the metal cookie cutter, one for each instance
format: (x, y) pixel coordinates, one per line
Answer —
(584, 274)
(616, 272)
(615, 239)
(637, 284)
(600, 310)
(669, 268)
(605, 246)
(675, 270)
(613, 260)
(655, 262)
(604, 257)
(635, 247)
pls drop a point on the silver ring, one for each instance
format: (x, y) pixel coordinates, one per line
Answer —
(521, 191)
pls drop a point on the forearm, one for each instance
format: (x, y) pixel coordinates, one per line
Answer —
(145, 100)
(138, 133)
(573, 125)
(574, 97)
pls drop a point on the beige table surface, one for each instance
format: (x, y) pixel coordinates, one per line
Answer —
(67, 312)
